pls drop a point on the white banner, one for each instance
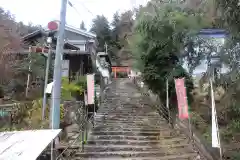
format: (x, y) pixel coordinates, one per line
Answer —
(90, 89)
(215, 134)
(65, 68)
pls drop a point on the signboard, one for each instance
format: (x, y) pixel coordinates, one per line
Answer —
(181, 98)
(52, 25)
(65, 68)
(90, 89)
(213, 33)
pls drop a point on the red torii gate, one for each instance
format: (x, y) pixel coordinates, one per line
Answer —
(116, 69)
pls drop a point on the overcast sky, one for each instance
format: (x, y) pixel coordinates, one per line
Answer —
(43, 11)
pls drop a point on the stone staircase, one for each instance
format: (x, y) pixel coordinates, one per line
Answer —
(127, 129)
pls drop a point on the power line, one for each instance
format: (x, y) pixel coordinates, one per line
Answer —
(82, 4)
(71, 5)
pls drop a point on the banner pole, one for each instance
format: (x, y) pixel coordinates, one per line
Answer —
(167, 102)
(189, 118)
(215, 116)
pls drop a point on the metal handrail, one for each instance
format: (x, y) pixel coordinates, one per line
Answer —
(165, 112)
(88, 121)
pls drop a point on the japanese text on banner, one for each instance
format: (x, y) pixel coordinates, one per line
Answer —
(181, 98)
(90, 89)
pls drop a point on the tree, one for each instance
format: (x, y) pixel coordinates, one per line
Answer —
(158, 43)
(14, 68)
(229, 14)
(82, 26)
(9, 38)
(101, 28)
(116, 26)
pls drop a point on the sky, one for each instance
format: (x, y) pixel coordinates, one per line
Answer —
(43, 11)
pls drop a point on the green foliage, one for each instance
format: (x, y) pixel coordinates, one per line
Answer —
(234, 111)
(235, 156)
(101, 28)
(158, 43)
(234, 125)
(207, 135)
(229, 14)
(82, 26)
(115, 34)
(69, 90)
(81, 81)
(72, 88)
(226, 134)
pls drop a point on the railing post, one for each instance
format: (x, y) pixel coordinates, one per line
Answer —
(167, 103)
(101, 89)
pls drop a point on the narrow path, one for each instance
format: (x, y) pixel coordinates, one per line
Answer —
(126, 128)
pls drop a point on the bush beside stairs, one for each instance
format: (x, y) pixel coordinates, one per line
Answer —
(126, 128)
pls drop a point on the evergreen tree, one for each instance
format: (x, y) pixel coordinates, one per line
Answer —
(82, 26)
(102, 29)
(116, 26)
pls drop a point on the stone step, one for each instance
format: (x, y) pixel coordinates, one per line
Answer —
(118, 114)
(130, 117)
(139, 119)
(176, 140)
(123, 137)
(130, 123)
(130, 133)
(121, 106)
(127, 113)
(109, 115)
(146, 129)
(138, 109)
(125, 120)
(135, 122)
(185, 156)
(127, 108)
(123, 126)
(127, 127)
(131, 154)
(115, 148)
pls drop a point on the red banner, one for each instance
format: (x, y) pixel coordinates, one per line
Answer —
(181, 98)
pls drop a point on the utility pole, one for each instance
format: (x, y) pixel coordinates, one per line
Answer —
(56, 94)
(29, 70)
(49, 56)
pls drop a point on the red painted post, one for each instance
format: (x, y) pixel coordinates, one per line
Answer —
(115, 72)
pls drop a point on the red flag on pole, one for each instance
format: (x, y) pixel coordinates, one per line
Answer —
(181, 98)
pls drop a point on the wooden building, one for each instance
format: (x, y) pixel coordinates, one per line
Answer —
(79, 49)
